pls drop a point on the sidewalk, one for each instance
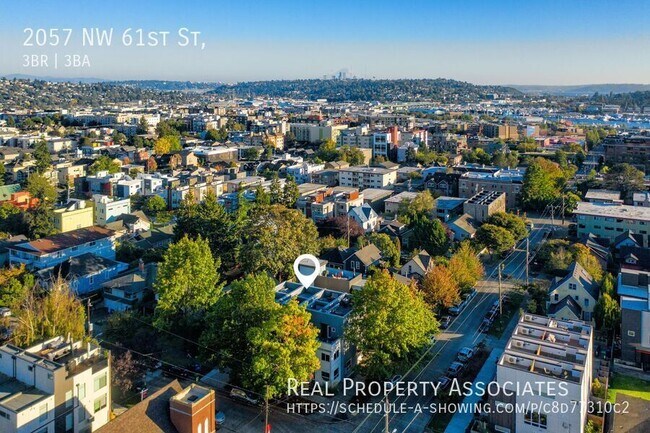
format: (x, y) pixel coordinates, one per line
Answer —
(461, 420)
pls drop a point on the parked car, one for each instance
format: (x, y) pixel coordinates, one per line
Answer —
(445, 321)
(485, 326)
(396, 379)
(465, 354)
(443, 383)
(220, 418)
(455, 369)
(243, 396)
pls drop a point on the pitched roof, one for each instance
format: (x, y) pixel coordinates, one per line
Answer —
(364, 213)
(133, 217)
(423, 259)
(63, 241)
(149, 416)
(465, 223)
(567, 302)
(585, 279)
(368, 254)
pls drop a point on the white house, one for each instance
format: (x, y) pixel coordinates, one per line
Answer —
(578, 285)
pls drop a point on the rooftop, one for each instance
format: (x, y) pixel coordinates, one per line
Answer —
(63, 241)
(315, 299)
(553, 348)
(16, 396)
(613, 211)
(192, 394)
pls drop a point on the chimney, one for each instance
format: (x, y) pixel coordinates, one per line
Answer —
(193, 407)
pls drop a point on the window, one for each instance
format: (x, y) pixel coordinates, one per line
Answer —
(100, 403)
(68, 399)
(557, 297)
(586, 302)
(572, 286)
(631, 333)
(325, 357)
(81, 390)
(100, 382)
(324, 375)
(336, 355)
(42, 413)
(336, 373)
(81, 414)
(535, 419)
(4, 414)
(69, 418)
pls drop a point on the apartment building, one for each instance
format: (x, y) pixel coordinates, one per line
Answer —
(392, 204)
(631, 149)
(504, 132)
(108, 209)
(316, 132)
(330, 203)
(608, 221)
(52, 250)
(362, 177)
(77, 214)
(484, 204)
(553, 358)
(633, 287)
(58, 386)
(509, 182)
(329, 311)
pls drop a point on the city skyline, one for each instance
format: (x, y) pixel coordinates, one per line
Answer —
(500, 43)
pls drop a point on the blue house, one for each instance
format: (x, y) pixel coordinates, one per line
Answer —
(53, 250)
(85, 273)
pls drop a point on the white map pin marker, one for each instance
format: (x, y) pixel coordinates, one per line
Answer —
(307, 279)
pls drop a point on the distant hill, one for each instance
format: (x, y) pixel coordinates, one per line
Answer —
(365, 90)
(55, 79)
(169, 85)
(581, 90)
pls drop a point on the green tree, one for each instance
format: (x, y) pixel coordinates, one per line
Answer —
(143, 126)
(12, 220)
(41, 188)
(409, 210)
(187, 284)
(511, 222)
(542, 183)
(42, 156)
(248, 304)
(625, 178)
(275, 189)
(104, 163)
(274, 237)
(328, 151)
(262, 197)
(465, 266)
(390, 249)
(607, 313)
(40, 221)
(119, 138)
(495, 238)
(430, 234)
(154, 204)
(290, 193)
(210, 220)
(352, 155)
(283, 348)
(3, 173)
(15, 284)
(388, 325)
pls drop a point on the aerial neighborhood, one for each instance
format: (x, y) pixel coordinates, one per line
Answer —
(148, 242)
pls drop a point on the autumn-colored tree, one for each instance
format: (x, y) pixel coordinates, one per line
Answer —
(124, 371)
(439, 287)
(465, 266)
(167, 144)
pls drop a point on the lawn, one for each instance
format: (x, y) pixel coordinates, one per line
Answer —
(628, 385)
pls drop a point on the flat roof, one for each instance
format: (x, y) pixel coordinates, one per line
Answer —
(613, 211)
(371, 170)
(16, 396)
(603, 194)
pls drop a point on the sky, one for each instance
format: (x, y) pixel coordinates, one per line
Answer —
(546, 42)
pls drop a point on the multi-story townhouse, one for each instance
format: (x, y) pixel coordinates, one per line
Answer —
(77, 214)
(58, 386)
(108, 209)
(554, 359)
(633, 287)
(329, 311)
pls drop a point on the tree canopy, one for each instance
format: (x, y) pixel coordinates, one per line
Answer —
(389, 324)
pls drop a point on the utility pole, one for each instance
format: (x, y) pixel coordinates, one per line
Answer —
(500, 303)
(348, 230)
(527, 258)
(553, 216)
(562, 210)
(387, 429)
(90, 330)
(266, 410)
